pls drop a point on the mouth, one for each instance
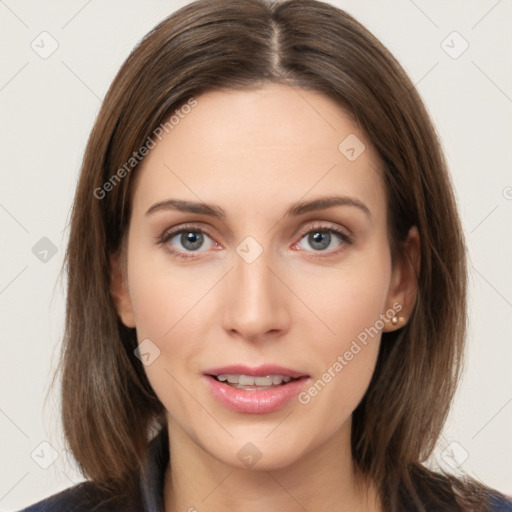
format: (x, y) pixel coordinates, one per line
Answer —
(255, 390)
(260, 377)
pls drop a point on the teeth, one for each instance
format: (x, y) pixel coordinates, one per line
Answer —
(248, 380)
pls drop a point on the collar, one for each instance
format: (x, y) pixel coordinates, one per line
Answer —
(153, 473)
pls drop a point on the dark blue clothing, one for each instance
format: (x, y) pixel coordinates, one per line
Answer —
(501, 504)
(87, 497)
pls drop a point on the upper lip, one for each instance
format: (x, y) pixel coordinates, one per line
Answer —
(256, 371)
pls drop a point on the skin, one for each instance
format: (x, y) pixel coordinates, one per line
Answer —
(253, 153)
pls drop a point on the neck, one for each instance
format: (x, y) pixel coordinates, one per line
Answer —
(321, 481)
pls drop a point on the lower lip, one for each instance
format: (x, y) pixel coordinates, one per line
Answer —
(253, 401)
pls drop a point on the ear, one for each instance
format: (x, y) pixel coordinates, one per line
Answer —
(119, 290)
(403, 289)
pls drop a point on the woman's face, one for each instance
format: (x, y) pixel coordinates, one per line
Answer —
(265, 281)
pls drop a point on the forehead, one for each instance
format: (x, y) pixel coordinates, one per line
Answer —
(277, 142)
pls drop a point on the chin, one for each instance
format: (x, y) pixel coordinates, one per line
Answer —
(255, 453)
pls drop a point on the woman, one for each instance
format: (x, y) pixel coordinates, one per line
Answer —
(266, 276)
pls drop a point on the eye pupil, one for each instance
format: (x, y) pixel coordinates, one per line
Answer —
(321, 238)
(193, 238)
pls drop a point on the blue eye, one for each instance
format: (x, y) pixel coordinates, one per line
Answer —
(191, 240)
(321, 239)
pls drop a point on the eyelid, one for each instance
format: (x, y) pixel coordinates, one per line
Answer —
(170, 232)
(325, 226)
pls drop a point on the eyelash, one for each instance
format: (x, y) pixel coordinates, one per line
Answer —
(168, 235)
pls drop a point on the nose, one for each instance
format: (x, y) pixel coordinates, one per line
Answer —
(255, 308)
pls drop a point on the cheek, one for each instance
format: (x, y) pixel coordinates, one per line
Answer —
(172, 306)
(351, 304)
(168, 311)
(346, 300)
(347, 306)
(164, 295)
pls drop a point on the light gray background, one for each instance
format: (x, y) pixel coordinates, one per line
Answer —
(47, 110)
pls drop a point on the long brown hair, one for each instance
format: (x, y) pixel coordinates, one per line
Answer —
(109, 409)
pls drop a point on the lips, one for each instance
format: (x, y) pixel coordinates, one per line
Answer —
(254, 390)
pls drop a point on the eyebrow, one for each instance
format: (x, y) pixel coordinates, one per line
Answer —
(293, 210)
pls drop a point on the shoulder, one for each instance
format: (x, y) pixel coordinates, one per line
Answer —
(83, 497)
(146, 494)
